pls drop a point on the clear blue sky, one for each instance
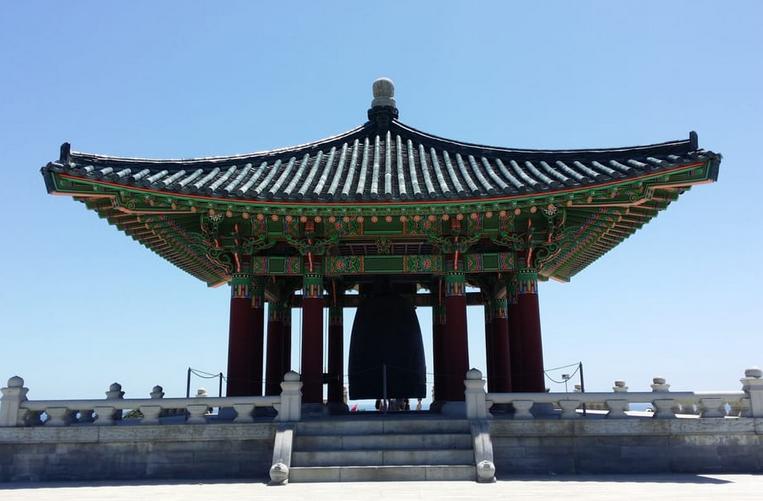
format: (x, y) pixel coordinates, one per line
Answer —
(81, 305)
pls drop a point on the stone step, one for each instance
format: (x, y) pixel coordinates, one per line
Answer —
(381, 425)
(383, 441)
(381, 473)
(383, 457)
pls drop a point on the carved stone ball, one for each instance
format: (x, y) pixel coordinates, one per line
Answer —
(291, 376)
(658, 380)
(474, 374)
(752, 372)
(485, 471)
(115, 387)
(279, 474)
(16, 382)
(620, 384)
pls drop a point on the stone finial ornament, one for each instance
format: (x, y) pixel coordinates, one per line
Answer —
(659, 384)
(10, 401)
(157, 392)
(384, 93)
(201, 393)
(383, 107)
(619, 387)
(115, 392)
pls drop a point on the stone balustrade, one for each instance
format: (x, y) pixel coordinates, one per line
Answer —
(16, 410)
(661, 403)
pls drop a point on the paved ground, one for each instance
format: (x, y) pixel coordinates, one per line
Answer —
(599, 487)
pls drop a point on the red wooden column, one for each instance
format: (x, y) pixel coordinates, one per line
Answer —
(489, 351)
(274, 370)
(529, 327)
(515, 338)
(456, 341)
(438, 343)
(257, 313)
(500, 348)
(336, 351)
(240, 336)
(286, 333)
(312, 335)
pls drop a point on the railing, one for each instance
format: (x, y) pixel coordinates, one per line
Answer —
(660, 402)
(17, 410)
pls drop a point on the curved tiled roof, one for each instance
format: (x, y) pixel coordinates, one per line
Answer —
(374, 162)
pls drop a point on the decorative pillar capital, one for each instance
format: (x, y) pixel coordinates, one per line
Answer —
(313, 283)
(454, 283)
(240, 284)
(313, 286)
(527, 281)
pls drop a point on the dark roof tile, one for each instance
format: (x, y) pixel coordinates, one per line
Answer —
(398, 163)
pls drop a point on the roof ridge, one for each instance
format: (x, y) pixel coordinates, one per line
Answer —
(689, 143)
(227, 158)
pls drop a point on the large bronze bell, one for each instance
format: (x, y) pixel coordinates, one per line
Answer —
(386, 337)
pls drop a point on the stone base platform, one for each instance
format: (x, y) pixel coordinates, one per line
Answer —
(630, 445)
(520, 447)
(124, 452)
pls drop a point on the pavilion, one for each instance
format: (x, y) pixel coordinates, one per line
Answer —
(384, 207)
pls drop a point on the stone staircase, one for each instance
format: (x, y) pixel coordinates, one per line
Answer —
(382, 448)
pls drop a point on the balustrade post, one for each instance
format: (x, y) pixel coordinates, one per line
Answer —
(752, 384)
(107, 414)
(151, 413)
(290, 408)
(10, 403)
(104, 415)
(522, 409)
(244, 413)
(663, 407)
(712, 407)
(58, 416)
(476, 404)
(196, 413)
(618, 406)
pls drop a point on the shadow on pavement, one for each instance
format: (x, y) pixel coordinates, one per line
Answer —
(659, 478)
(122, 483)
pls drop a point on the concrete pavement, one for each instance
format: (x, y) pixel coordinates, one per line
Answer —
(570, 488)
